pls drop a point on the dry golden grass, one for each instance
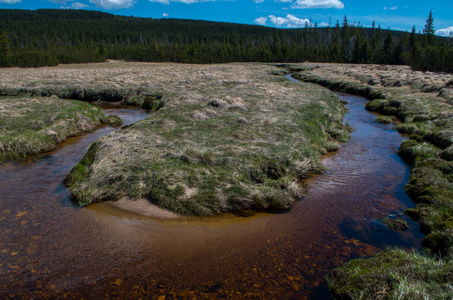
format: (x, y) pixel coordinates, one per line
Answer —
(228, 137)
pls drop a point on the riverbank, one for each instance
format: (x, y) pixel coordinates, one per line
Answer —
(32, 125)
(420, 104)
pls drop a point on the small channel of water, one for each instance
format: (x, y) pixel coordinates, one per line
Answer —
(50, 247)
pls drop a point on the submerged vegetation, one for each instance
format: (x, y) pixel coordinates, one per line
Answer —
(32, 125)
(50, 37)
(421, 105)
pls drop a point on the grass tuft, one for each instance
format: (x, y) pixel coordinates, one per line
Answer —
(394, 274)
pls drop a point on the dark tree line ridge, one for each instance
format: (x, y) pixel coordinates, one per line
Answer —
(49, 37)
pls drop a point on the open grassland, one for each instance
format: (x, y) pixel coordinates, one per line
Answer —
(420, 104)
(222, 138)
(31, 125)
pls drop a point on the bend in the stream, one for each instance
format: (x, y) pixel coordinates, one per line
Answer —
(50, 248)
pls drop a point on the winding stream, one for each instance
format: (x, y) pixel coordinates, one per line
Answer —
(51, 248)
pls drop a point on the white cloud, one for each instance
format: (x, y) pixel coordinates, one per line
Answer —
(78, 5)
(10, 1)
(278, 21)
(260, 21)
(60, 1)
(258, 1)
(445, 32)
(391, 8)
(303, 4)
(296, 22)
(181, 1)
(75, 5)
(165, 15)
(113, 4)
(290, 21)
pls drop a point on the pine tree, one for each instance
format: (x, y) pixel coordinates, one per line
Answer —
(102, 51)
(414, 47)
(4, 50)
(412, 38)
(429, 28)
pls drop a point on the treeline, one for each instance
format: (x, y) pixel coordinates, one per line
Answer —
(49, 37)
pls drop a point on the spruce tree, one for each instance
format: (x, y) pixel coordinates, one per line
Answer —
(4, 50)
(429, 28)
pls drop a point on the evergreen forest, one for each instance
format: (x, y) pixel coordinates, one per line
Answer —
(48, 37)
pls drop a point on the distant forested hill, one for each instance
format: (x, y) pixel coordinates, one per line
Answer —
(49, 37)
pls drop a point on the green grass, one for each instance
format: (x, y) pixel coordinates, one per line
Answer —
(394, 274)
(385, 119)
(225, 147)
(32, 125)
(395, 224)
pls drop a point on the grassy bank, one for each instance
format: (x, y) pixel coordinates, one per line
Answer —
(420, 104)
(224, 138)
(31, 125)
(394, 274)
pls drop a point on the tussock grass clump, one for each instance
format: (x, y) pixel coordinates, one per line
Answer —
(32, 125)
(139, 96)
(113, 121)
(241, 141)
(447, 154)
(394, 274)
(395, 224)
(341, 86)
(385, 119)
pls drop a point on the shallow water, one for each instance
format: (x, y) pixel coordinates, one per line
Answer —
(51, 248)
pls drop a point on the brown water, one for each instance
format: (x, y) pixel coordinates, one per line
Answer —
(50, 248)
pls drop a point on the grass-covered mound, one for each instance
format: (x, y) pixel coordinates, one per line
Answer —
(226, 138)
(32, 125)
(394, 274)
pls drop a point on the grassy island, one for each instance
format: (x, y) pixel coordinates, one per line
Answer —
(31, 124)
(223, 138)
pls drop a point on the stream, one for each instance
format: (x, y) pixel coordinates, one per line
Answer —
(51, 248)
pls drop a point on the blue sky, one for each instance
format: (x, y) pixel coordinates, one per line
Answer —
(396, 14)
